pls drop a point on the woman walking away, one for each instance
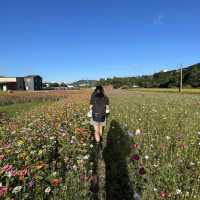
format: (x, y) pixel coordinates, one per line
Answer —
(99, 108)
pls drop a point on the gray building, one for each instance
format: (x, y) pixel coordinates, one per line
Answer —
(21, 83)
(33, 82)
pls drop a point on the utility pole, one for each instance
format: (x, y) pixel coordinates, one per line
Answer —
(181, 79)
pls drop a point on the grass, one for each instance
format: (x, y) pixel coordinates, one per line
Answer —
(19, 108)
(167, 90)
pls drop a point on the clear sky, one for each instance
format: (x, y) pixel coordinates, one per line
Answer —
(69, 40)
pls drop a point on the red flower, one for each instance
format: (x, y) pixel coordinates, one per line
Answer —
(135, 157)
(55, 182)
(163, 195)
(142, 171)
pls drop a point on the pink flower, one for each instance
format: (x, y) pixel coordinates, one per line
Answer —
(13, 172)
(3, 191)
(135, 157)
(135, 146)
(7, 168)
(163, 195)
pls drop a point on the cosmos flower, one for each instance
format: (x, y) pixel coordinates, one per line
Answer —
(163, 195)
(138, 132)
(3, 191)
(47, 190)
(55, 182)
(167, 137)
(142, 171)
(130, 134)
(135, 157)
(23, 172)
(7, 168)
(2, 157)
(135, 146)
(178, 191)
(17, 189)
(146, 157)
(11, 173)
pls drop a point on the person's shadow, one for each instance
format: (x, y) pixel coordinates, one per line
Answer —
(118, 148)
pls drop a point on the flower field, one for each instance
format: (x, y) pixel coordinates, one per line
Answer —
(150, 150)
(44, 154)
(161, 151)
(21, 97)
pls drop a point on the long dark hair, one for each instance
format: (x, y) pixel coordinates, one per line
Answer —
(99, 91)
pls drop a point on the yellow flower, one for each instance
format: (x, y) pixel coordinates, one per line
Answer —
(20, 142)
(40, 152)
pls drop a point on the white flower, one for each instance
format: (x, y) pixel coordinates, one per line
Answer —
(155, 189)
(192, 164)
(71, 142)
(137, 132)
(178, 191)
(86, 157)
(0, 184)
(155, 165)
(75, 167)
(91, 146)
(47, 190)
(146, 157)
(17, 189)
(54, 173)
(167, 137)
(199, 143)
(33, 152)
(73, 137)
(84, 144)
(8, 174)
(198, 133)
(52, 138)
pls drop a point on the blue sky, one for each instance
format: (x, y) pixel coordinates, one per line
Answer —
(65, 40)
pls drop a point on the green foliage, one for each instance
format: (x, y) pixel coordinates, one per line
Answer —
(169, 79)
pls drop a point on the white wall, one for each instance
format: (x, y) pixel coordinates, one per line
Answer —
(8, 80)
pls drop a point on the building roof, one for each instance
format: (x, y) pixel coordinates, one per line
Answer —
(32, 76)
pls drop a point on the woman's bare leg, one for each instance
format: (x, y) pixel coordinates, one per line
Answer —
(96, 134)
(101, 131)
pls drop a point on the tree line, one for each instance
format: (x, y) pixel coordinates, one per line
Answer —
(169, 79)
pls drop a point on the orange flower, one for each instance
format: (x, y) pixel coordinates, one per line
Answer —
(40, 165)
(55, 182)
(80, 130)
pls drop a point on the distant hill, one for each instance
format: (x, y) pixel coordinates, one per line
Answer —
(83, 83)
(163, 79)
